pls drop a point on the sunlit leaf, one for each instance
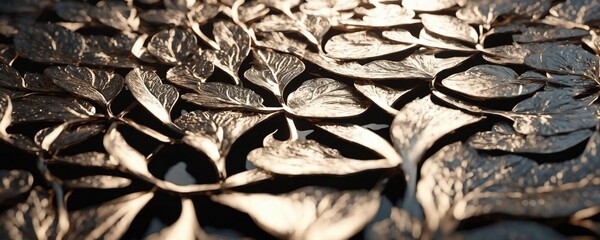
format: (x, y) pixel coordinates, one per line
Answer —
(247, 177)
(503, 137)
(430, 5)
(66, 137)
(53, 109)
(416, 127)
(214, 132)
(491, 81)
(542, 34)
(361, 45)
(190, 74)
(326, 98)
(164, 17)
(381, 95)
(327, 8)
(580, 11)
(313, 28)
(172, 46)
(399, 225)
(567, 59)
(87, 159)
(308, 157)
(37, 218)
(235, 47)
(273, 71)
(14, 183)
(97, 182)
(382, 16)
(511, 229)
(49, 43)
(185, 227)
(449, 27)
(97, 85)
(284, 6)
(222, 95)
(116, 14)
(109, 220)
(307, 213)
(148, 89)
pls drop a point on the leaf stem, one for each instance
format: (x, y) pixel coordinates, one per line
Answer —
(292, 129)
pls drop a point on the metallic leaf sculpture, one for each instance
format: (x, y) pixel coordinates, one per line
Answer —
(274, 71)
(172, 46)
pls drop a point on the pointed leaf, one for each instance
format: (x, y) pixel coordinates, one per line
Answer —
(235, 47)
(273, 71)
(361, 45)
(97, 85)
(326, 98)
(156, 97)
(307, 213)
(383, 96)
(222, 95)
(173, 45)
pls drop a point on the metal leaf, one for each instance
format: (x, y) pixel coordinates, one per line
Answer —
(97, 85)
(109, 220)
(399, 225)
(307, 158)
(214, 132)
(66, 137)
(156, 97)
(87, 159)
(49, 43)
(430, 5)
(579, 11)
(418, 125)
(326, 98)
(449, 27)
(547, 33)
(97, 182)
(40, 83)
(37, 218)
(227, 96)
(567, 59)
(164, 17)
(383, 96)
(186, 227)
(36, 108)
(273, 71)
(503, 137)
(327, 8)
(307, 213)
(361, 45)
(173, 45)
(313, 28)
(116, 14)
(190, 74)
(14, 183)
(510, 229)
(74, 11)
(247, 177)
(234, 45)
(491, 81)
(284, 6)
(382, 16)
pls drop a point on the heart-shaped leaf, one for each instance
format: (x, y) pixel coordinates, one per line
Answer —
(273, 71)
(172, 46)
(234, 45)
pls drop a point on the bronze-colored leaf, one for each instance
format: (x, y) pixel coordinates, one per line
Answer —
(164, 17)
(448, 26)
(308, 157)
(247, 177)
(190, 74)
(382, 16)
(503, 137)
(361, 45)
(383, 96)
(214, 132)
(116, 14)
(14, 183)
(227, 96)
(66, 137)
(47, 108)
(579, 11)
(8, 54)
(430, 5)
(327, 8)
(40, 83)
(415, 129)
(97, 85)
(547, 33)
(569, 59)
(173, 45)
(250, 11)
(513, 54)
(273, 71)
(234, 45)
(307, 213)
(38, 219)
(399, 225)
(97, 182)
(284, 6)
(491, 81)
(326, 98)
(49, 43)
(109, 220)
(156, 97)
(87, 159)
(425, 39)
(313, 28)
(514, 229)
(10, 77)
(74, 11)
(185, 227)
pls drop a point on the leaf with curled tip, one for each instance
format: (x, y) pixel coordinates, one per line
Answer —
(382, 16)
(14, 183)
(308, 158)
(503, 137)
(116, 14)
(48, 108)
(515, 229)
(66, 137)
(307, 213)
(156, 97)
(325, 98)
(234, 45)
(362, 45)
(172, 46)
(450, 27)
(87, 159)
(97, 85)
(50, 44)
(97, 182)
(416, 127)
(38, 219)
(190, 74)
(214, 132)
(185, 227)
(108, 220)
(491, 81)
(383, 96)
(274, 71)
(226, 96)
